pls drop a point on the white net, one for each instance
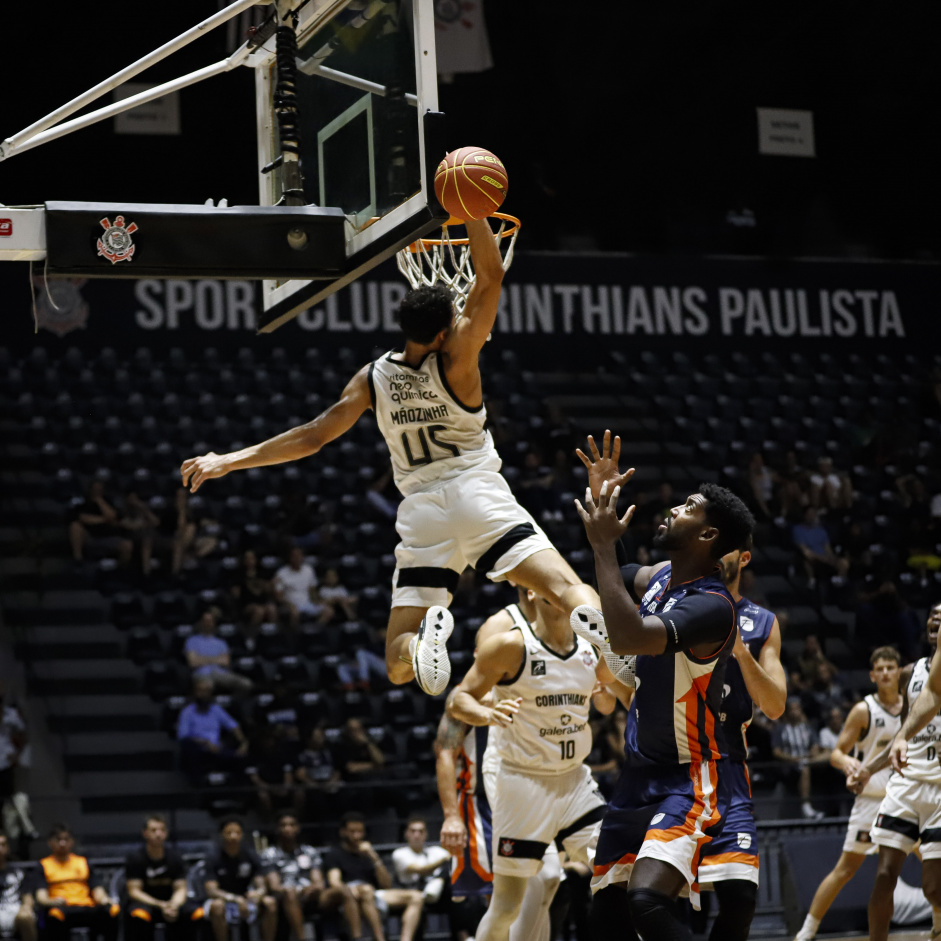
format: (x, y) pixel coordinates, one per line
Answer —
(447, 260)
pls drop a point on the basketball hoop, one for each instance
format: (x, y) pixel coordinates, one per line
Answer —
(447, 260)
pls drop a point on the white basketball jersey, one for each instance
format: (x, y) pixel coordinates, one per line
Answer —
(550, 733)
(431, 436)
(923, 748)
(883, 727)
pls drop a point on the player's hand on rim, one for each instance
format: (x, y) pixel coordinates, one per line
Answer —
(603, 465)
(196, 470)
(601, 519)
(502, 713)
(898, 755)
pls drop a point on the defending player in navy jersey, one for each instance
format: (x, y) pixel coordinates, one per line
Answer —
(678, 619)
(457, 509)
(753, 676)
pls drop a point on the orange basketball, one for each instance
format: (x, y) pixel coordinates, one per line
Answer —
(471, 183)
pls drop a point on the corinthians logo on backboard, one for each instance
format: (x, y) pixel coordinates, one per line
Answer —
(116, 244)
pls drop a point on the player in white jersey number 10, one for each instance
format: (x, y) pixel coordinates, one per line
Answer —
(458, 510)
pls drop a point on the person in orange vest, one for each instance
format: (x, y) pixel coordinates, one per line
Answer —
(70, 894)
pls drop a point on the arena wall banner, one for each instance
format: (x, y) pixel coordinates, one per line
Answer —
(550, 302)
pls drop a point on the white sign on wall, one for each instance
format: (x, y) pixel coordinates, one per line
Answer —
(160, 116)
(786, 133)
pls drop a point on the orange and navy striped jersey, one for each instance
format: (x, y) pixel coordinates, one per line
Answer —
(70, 880)
(673, 718)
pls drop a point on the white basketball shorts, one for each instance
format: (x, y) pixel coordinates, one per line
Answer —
(862, 817)
(910, 810)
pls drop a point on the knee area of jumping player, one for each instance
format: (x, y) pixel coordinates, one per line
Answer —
(654, 916)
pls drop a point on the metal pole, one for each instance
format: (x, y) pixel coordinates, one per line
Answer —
(126, 104)
(184, 39)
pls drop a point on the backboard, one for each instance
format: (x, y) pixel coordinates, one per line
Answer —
(369, 132)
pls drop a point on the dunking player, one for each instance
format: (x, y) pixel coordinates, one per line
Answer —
(670, 794)
(543, 679)
(461, 755)
(753, 674)
(428, 402)
(911, 808)
(868, 730)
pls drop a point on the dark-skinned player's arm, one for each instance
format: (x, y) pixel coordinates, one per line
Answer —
(853, 728)
(470, 331)
(448, 744)
(291, 445)
(498, 658)
(765, 678)
(857, 781)
(923, 710)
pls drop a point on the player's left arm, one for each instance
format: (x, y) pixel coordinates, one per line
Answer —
(497, 659)
(448, 744)
(612, 690)
(765, 678)
(291, 445)
(921, 712)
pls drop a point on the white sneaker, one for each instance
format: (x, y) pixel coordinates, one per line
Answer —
(429, 653)
(588, 623)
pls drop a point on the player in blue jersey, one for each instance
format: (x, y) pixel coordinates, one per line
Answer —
(678, 619)
(753, 675)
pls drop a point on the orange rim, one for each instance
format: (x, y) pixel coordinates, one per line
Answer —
(514, 224)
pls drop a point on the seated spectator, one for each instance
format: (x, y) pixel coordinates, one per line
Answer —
(279, 713)
(200, 732)
(294, 876)
(337, 595)
(794, 742)
(315, 771)
(295, 586)
(140, 523)
(830, 733)
(156, 888)
(760, 480)
(355, 866)
(419, 867)
(17, 918)
(235, 886)
(71, 893)
(208, 657)
(370, 663)
(253, 595)
(822, 695)
(830, 489)
(383, 496)
(809, 660)
(358, 755)
(271, 771)
(813, 543)
(176, 530)
(95, 523)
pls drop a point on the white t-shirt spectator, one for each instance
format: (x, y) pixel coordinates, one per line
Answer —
(296, 585)
(405, 856)
(828, 738)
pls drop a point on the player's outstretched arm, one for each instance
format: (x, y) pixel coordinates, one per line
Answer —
(852, 730)
(292, 445)
(498, 658)
(765, 678)
(925, 707)
(603, 465)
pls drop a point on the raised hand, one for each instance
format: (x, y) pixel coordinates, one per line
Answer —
(603, 466)
(197, 470)
(601, 519)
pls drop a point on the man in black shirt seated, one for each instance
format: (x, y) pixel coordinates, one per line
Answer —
(354, 864)
(156, 888)
(235, 887)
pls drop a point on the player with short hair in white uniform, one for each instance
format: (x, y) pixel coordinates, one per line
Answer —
(868, 730)
(458, 510)
(911, 808)
(543, 679)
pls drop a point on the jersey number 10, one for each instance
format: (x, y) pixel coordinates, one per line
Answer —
(424, 455)
(567, 749)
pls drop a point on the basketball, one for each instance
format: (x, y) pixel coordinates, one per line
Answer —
(471, 183)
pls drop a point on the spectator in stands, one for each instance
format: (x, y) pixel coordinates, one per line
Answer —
(140, 523)
(760, 480)
(208, 657)
(602, 760)
(339, 596)
(12, 744)
(294, 876)
(419, 867)
(95, 523)
(794, 742)
(156, 888)
(200, 732)
(383, 496)
(253, 595)
(369, 663)
(235, 886)
(830, 489)
(176, 530)
(809, 660)
(295, 586)
(17, 918)
(315, 770)
(271, 771)
(71, 892)
(813, 543)
(830, 733)
(823, 694)
(794, 487)
(355, 865)
(358, 755)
